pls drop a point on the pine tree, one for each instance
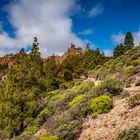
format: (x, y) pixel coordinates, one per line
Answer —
(25, 86)
(119, 50)
(129, 41)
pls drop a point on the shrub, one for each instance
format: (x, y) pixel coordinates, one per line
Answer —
(112, 86)
(57, 97)
(131, 134)
(136, 62)
(125, 94)
(85, 87)
(134, 100)
(66, 85)
(69, 131)
(59, 123)
(43, 115)
(48, 137)
(79, 110)
(129, 70)
(31, 130)
(76, 100)
(138, 83)
(101, 104)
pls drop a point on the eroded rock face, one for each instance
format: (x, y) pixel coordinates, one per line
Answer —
(7, 59)
(72, 50)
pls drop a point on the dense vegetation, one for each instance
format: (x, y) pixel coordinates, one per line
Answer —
(51, 94)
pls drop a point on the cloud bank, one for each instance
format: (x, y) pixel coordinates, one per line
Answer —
(119, 37)
(86, 32)
(49, 20)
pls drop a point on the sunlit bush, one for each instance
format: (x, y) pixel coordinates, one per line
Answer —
(76, 100)
(101, 104)
(134, 100)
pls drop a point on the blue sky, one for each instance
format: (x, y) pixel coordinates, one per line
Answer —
(57, 23)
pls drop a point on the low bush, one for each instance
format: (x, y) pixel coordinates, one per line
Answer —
(112, 86)
(48, 137)
(134, 100)
(125, 94)
(76, 100)
(136, 62)
(31, 130)
(59, 123)
(101, 104)
(85, 87)
(43, 115)
(129, 70)
(69, 131)
(79, 110)
(131, 134)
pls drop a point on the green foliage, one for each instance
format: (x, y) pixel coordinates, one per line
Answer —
(59, 123)
(79, 110)
(130, 134)
(43, 116)
(112, 86)
(85, 87)
(22, 92)
(69, 131)
(44, 112)
(48, 137)
(31, 130)
(136, 62)
(125, 94)
(76, 100)
(128, 41)
(129, 70)
(57, 97)
(101, 104)
(93, 58)
(119, 50)
(134, 100)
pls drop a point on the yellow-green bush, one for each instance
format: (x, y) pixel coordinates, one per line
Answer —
(31, 130)
(48, 137)
(134, 100)
(44, 112)
(76, 100)
(59, 123)
(101, 104)
(43, 115)
(85, 87)
(129, 70)
(57, 97)
(136, 62)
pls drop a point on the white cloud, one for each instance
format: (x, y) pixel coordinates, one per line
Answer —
(1, 26)
(86, 32)
(119, 38)
(49, 20)
(95, 11)
(137, 37)
(108, 52)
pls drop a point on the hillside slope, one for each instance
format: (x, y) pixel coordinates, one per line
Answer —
(97, 107)
(108, 126)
